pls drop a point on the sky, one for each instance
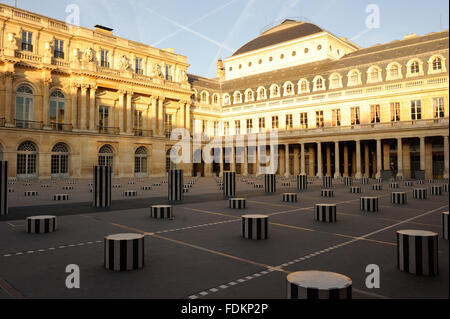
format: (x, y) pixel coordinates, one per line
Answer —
(206, 30)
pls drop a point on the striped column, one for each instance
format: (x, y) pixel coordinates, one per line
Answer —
(398, 198)
(369, 204)
(60, 197)
(408, 184)
(417, 252)
(420, 193)
(318, 285)
(124, 252)
(377, 187)
(394, 185)
(348, 181)
(255, 227)
(130, 193)
(436, 190)
(229, 185)
(162, 212)
(3, 188)
(355, 190)
(302, 183)
(41, 224)
(327, 182)
(445, 225)
(237, 203)
(364, 181)
(290, 198)
(327, 193)
(175, 182)
(446, 188)
(270, 183)
(102, 186)
(325, 213)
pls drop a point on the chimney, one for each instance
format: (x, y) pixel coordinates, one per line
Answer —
(220, 70)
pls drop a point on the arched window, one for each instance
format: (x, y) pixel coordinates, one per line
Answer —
(60, 161)
(353, 78)
(106, 156)
(374, 74)
(335, 81)
(24, 106)
(204, 97)
(288, 89)
(262, 94)
(394, 71)
(303, 86)
(249, 96)
(415, 67)
(226, 99)
(319, 84)
(437, 64)
(140, 162)
(216, 99)
(27, 160)
(274, 91)
(57, 108)
(237, 97)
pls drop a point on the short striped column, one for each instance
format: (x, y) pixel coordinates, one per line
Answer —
(229, 185)
(146, 188)
(420, 193)
(124, 252)
(41, 224)
(436, 190)
(237, 203)
(255, 227)
(348, 181)
(3, 188)
(369, 204)
(355, 190)
(430, 181)
(377, 187)
(398, 198)
(394, 185)
(318, 285)
(116, 186)
(364, 181)
(325, 213)
(130, 193)
(60, 197)
(290, 198)
(102, 186)
(286, 184)
(270, 183)
(67, 188)
(379, 180)
(445, 225)
(417, 252)
(258, 186)
(31, 193)
(327, 193)
(162, 212)
(175, 184)
(446, 188)
(420, 182)
(408, 184)
(327, 182)
(302, 183)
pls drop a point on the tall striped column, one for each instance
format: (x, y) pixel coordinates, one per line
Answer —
(302, 183)
(229, 185)
(102, 186)
(176, 185)
(327, 182)
(3, 188)
(270, 183)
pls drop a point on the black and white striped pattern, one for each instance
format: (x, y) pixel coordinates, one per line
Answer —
(302, 183)
(355, 190)
(185, 190)
(67, 188)
(162, 212)
(325, 213)
(146, 188)
(445, 225)
(41, 224)
(420, 193)
(102, 186)
(377, 187)
(420, 182)
(436, 190)
(60, 197)
(130, 194)
(258, 186)
(116, 186)
(290, 198)
(417, 252)
(379, 180)
(429, 181)
(229, 185)
(446, 188)
(3, 188)
(284, 184)
(131, 183)
(11, 190)
(270, 185)
(175, 184)
(327, 193)
(394, 185)
(124, 252)
(318, 285)
(369, 204)
(327, 182)
(255, 227)
(398, 198)
(237, 203)
(364, 181)
(408, 184)
(31, 193)
(348, 181)
(45, 186)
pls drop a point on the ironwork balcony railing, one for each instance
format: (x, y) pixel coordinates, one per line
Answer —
(61, 127)
(33, 125)
(143, 133)
(108, 130)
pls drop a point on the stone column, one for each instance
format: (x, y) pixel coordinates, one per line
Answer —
(83, 117)
(92, 108)
(366, 161)
(337, 160)
(188, 117)
(345, 160)
(319, 160)
(154, 115)
(328, 160)
(422, 154)
(358, 159)
(245, 161)
(46, 102)
(287, 156)
(121, 110)
(379, 159)
(182, 119)
(446, 157)
(161, 116)
(129, 113)
(9, 105)
(399, 157)
(75, 123)
(296, 161)
(312, 161)
(303, 159)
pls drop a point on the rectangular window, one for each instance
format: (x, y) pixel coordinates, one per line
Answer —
(249, 126)
(226, 128)
(319, 119)
(138, 67)
(438, 108)
(237, 127)
(355, 115)
(262, 124)
(336, 117)
(59, 49)
(289, 122)
(204, 126)
(138, 120)
(169, 75)
(168, 123)
(375, 116)
(104, 60)
(416, 110)
(304, 120)
(216, 128)
(27, 41)
(275, 122)
(103, 117)
(395, 112)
